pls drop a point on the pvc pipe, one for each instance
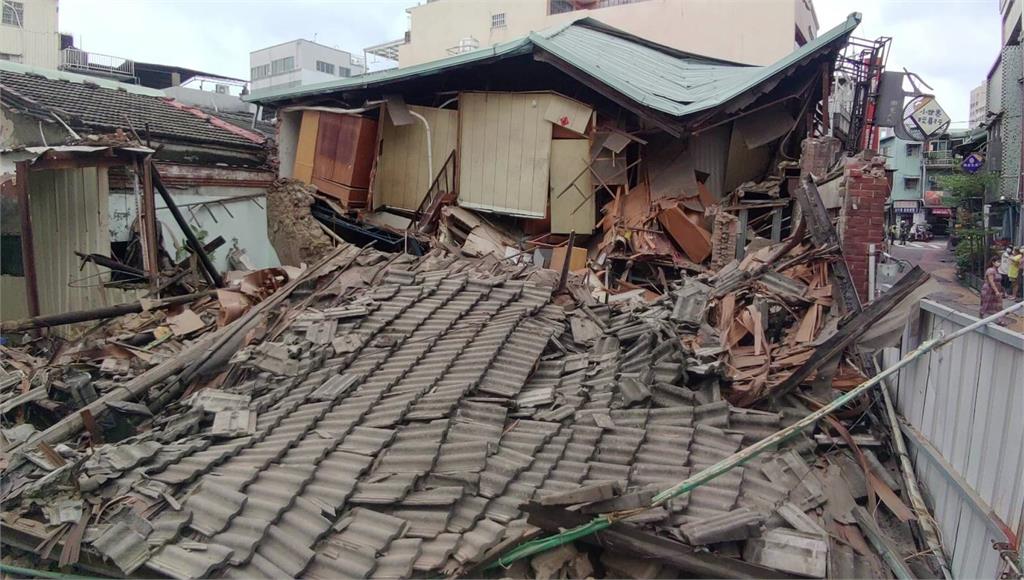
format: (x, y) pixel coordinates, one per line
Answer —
(430, 152)
(871, 272)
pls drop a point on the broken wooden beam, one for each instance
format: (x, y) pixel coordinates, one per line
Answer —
(851, 329)
(212, 275)
(99, 313)
(631, 540)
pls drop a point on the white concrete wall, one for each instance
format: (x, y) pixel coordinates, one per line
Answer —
(750, 31)
(36, 42)
(306, 54)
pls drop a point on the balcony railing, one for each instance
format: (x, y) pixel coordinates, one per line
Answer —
(73, 59)
(941, 159)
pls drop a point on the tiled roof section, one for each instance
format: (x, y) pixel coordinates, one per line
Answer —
(84, 104)
(423, 461)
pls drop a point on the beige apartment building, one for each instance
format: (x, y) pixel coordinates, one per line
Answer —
(748, 31)
(28, 33)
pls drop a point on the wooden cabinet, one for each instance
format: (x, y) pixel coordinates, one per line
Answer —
(345, 148)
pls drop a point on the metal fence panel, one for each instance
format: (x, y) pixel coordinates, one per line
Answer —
(965, 409)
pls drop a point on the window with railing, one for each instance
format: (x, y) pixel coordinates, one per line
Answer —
(14, 13)
(498, 20)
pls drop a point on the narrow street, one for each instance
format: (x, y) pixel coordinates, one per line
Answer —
(935, 258)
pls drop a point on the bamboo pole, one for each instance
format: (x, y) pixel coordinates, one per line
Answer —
(603, 521)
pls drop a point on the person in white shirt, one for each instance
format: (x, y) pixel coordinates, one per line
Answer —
(1004, 268)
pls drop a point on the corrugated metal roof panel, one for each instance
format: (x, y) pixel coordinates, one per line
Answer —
(652, 76)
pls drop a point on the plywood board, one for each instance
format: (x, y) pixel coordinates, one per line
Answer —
(305, 152)
(572, 202)
(403, 175)
(691, 238)
(504, 152)
(567, 113)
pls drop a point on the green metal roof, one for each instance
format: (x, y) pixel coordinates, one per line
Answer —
(653, 76)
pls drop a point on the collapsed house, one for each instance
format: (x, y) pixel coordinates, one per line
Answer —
(81, 159)
(595, 320)
(579, 129)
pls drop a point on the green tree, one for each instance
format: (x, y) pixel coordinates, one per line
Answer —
(960, 188)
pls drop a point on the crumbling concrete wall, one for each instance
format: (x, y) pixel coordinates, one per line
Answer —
(294, 232)
(862, 218)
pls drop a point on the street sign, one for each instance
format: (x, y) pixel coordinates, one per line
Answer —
(929, 117)
(973, 162)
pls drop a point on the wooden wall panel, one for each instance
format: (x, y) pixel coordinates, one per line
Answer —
(574, 209)
(402, 176)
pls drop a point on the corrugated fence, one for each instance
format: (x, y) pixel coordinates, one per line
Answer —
(964, 410)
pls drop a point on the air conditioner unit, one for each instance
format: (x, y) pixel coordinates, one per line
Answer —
(222, 89)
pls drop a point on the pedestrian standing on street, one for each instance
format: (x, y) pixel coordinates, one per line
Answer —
(1004, 267)
(991, 292)
(1015, 273)
(904, 230)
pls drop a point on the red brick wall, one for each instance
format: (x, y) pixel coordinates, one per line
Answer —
(818, 154)
(863, 220)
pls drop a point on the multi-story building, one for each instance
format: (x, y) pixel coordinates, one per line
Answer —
(979, 105)
(916, 191)
(747, 31)
(28, 33)
(300, 62)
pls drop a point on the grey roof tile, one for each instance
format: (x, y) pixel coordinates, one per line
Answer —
(304, 522)
(738, 524)
(462, 457)
(242, 536)
(484, 535)
(424, 522)
(437, 496)
(399, 560)
(366, 440)
(666, 395)
(387, 491)
(789, 551)
(368, 530)
(466, 512)
(715, 414)
(435, 552)
(289, 553)
(177, 562)
(257, 567)
(123, 546)
(213, 506)
(334, 561)
(168, 525)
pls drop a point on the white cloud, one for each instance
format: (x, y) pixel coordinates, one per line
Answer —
(950, 43)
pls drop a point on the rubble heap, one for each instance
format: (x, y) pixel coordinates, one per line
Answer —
(389, 416)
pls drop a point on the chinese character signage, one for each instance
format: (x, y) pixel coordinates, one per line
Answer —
(972, 163)
(929, 117)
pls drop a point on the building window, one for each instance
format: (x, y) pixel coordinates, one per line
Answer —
(325, 67)
(260, 72)
(344, 71)
(911, 182)
(14, 13)
(913, 149)
(282, 65)
(498, 20)
(10, 255)
(10, 57)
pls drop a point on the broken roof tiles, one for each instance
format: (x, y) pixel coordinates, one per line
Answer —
(414, 449)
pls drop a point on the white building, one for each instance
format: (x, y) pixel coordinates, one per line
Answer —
(28, 33)
(747, 31)
(979, 105)
(300, 62)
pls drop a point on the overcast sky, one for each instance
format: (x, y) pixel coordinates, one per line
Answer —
(951, 44)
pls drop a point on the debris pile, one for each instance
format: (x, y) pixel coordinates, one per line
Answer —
(385, 415)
